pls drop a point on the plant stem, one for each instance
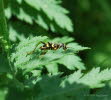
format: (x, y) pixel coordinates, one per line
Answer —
(4, 36)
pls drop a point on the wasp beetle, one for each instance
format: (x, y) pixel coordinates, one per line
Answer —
(52, 46)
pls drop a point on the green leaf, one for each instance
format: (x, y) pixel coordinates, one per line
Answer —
(41, 22)
(76, 47)
(18, 11)
(72, 62)
(23, 49)
(95, 78)
(30, 11)
(53, 12)
(57, 89)
(29, 61)
(52, 68)
(74, 86)
(16, 32)
(8, 12)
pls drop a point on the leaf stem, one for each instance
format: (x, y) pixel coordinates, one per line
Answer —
(4, 36)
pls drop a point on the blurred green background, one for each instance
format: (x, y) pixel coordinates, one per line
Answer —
(92, 23)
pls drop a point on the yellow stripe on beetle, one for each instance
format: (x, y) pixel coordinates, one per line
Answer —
(47, 45)
(52, 45)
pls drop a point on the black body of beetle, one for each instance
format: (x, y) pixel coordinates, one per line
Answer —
(52, 46)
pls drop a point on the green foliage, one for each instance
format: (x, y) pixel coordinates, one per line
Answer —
(63, 87)
(29, 62)
(67, 87)
(53, 11)
(30, 73)
(92, 21)
(76, 85)
(47, 14)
